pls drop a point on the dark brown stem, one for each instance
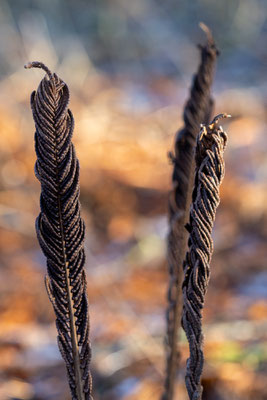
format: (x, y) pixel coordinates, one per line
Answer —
(197, 111)
(60, 229)
(209, 174)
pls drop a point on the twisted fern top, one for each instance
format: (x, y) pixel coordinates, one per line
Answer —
(59, 227)
(197, 111)
(209, 173)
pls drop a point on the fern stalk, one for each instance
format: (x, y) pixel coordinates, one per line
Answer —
(60, 229)
(209, 174)
(197, 111)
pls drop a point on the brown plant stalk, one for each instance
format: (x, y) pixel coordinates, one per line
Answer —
(209, 174)
(197, 110)
(59, 227)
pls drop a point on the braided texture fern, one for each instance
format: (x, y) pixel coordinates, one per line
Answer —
(197, 110)
(59, 227)
(209, 173)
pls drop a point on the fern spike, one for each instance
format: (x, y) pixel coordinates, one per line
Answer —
(197, 110)
(59, 227)
(209, 174)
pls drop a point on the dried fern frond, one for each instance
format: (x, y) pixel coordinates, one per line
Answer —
(209, 174)
(197, 110)
(59, 227)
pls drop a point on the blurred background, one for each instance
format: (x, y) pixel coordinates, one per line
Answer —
(129, 66)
